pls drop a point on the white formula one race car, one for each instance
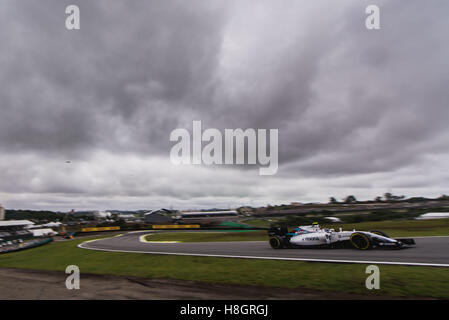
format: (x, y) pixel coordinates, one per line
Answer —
(315, 237)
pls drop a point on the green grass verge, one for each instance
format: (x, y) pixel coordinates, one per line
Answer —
(395, 280)
(258, 222)
(394, 228)
(401, 228)
(210, 236)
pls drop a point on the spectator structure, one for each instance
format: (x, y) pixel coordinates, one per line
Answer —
(159, 216)
(2, 213)
(15, 230)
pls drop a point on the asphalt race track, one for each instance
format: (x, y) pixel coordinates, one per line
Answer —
(429, 251)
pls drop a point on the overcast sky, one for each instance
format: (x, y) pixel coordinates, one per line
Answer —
(359, 112)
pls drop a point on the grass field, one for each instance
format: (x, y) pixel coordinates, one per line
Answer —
(395, 280)
(402, 228)
(394, 228)
(258, 222)
(211, 236)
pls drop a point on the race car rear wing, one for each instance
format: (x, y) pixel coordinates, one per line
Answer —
(278, 231)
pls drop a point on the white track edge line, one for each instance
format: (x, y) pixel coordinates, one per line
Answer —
(271, 258)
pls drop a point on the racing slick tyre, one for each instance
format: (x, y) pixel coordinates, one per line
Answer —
(276, 242)
(380, 233)
(360, 241)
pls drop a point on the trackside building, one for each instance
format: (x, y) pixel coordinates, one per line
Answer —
(15, 229)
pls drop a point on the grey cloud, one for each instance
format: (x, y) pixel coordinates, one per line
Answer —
(80, 89)
(347, 101)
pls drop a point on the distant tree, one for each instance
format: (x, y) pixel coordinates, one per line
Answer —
(332, 200)
(378, 199)
(390, 197)
(350, 199)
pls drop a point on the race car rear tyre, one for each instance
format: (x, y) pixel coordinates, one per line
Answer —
(380, 233)
(360, 241)
(276, 242)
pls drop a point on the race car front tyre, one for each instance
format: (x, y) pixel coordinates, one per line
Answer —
(380, 233)
(360, 241)
(276, 242)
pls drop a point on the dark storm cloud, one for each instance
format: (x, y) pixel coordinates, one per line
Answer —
(386, 103)
(348, 102)
(129, 71)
